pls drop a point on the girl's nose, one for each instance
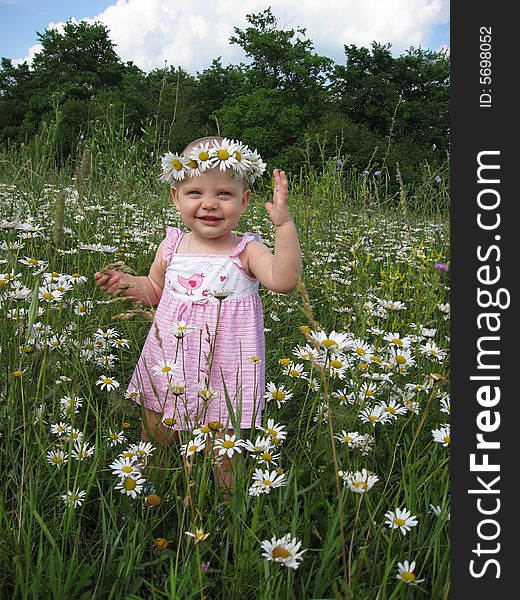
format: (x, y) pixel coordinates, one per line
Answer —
(209, 202)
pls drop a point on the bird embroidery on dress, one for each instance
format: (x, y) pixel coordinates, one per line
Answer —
(191, 283)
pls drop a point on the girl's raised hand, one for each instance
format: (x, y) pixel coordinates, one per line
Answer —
(110, 281)
(278, 209)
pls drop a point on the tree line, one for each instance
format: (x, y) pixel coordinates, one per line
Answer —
(296, 107)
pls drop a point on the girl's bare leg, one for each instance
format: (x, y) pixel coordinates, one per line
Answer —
(153, 430)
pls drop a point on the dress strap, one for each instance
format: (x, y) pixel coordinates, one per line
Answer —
(171, 241)
(246, 238)
(235, 256)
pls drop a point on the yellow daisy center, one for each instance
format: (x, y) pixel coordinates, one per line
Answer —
(127, 469)
(360, 351)
(203, 156)
(48, 296)
(177, 165)
(347, 438)
(407, 576)
(399, 522)
(267, 482)
(336, 364)
(278, 395)
(446, 439)
(294, 373)
(329, 343)
(361, 484)
(193, 448)
(166, 369)
(397, 341)
(169, 421)
(129, 483)
(228, 444)
(400, 359)
(285, 362)
(223, 154)
(280, 552)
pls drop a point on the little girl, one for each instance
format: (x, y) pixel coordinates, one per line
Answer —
(204, 354)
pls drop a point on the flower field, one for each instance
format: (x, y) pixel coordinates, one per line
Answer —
(344, 490)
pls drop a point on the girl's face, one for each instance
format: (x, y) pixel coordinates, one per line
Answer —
(211, 204)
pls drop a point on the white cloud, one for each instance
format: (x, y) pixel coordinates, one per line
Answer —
(152, 33)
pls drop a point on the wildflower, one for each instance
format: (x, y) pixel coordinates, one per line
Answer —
(277, 393)
(70, 404)
(125, 467)
(74, 499)
(115, 438)
(82, 450)
(229, 445)
(194, 445)
(119, 343)
(441, 267)
(332, 342)
(442, 435)
(198, 536)
(374, 415)
(296, 371)
(265, 481)
(406, 574)
(57, 458)
(361, 349)
(393, 408)
(165, 368)
(275, 430)
(174, 166)
(160, 543)
(445, 404)
(225, 154)
(285, 551)
(400, 519)
(49, 294)
(152, 500)
(395, 339)
(261, 445)
(439, 511)
(359, 481)
(221, 294)
(206, 393)
(181, 329)
(143, 450)
(60, 429)
(108, 383)
(131, 485)
(431, 350)
(401, 358)
(348, 438)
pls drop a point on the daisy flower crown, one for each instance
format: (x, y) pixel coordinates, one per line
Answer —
(224, 154)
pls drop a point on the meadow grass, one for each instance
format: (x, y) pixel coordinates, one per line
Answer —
(369, 281)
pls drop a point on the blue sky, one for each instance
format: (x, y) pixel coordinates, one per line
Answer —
(154, 32)
(21, 19)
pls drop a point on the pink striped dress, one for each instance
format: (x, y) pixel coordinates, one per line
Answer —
(215, 372)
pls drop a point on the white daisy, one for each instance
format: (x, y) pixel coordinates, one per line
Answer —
(285, 551)
(405, 573)
(229, 445)
(401, 519)
(74, 499)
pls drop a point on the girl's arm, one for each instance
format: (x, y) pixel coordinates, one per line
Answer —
(279, 272)
(146, 289)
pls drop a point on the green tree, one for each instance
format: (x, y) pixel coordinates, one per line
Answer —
(284, 89)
